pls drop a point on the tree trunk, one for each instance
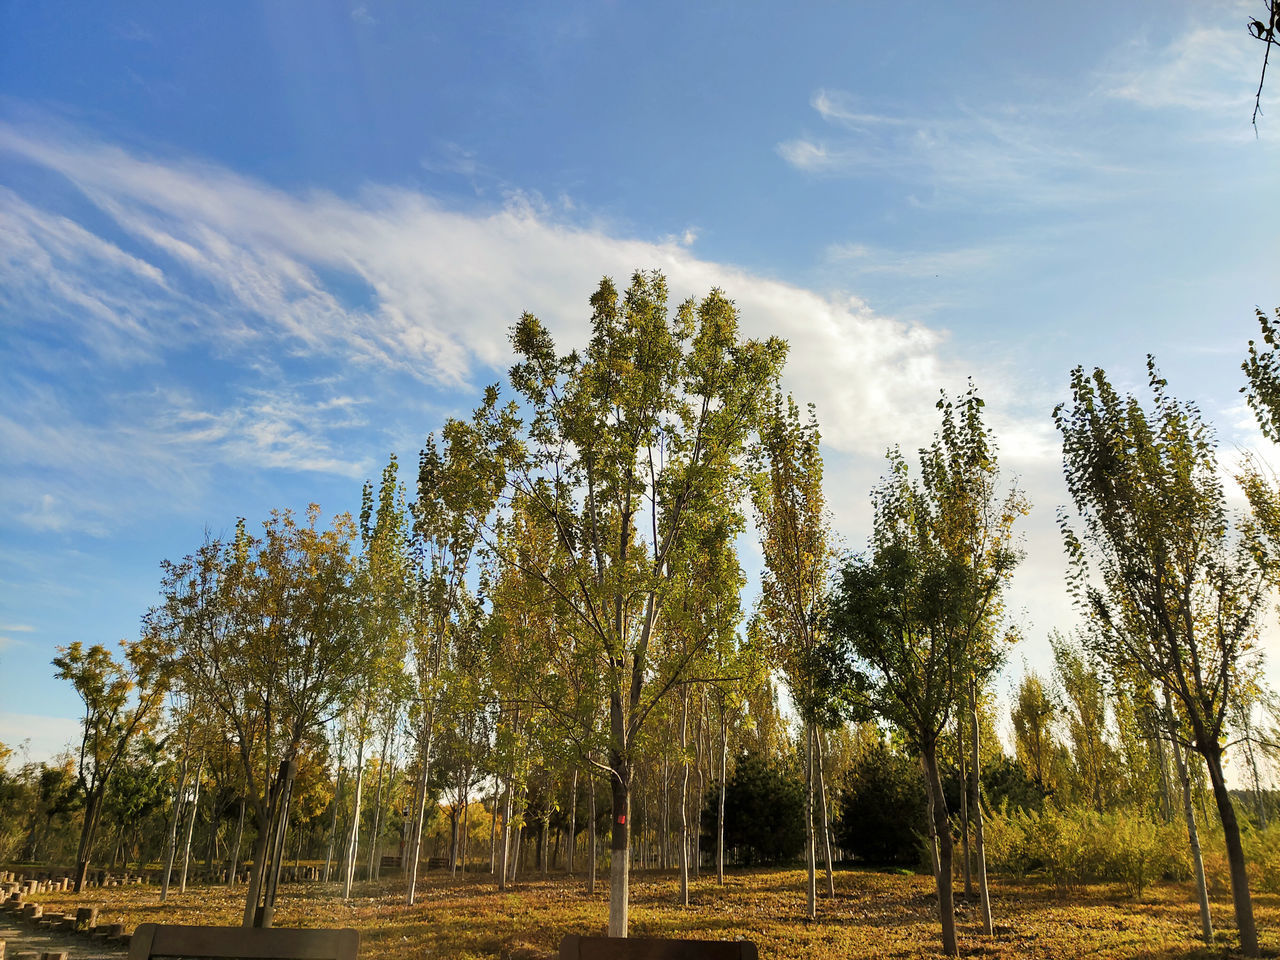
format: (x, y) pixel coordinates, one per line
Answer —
(171, 846)
(942, 827)
(466, 825)
(822, 809)
(88, 832)
(506, 836)
(573, 822)
(493, 831)
(233, 860)
(289, 772)
(333, 818)
(1235, 852)
(684, 800)
(353, 841)
(979, 839)
(259, 898)
(415, 844)
(724, 750)
(1193, 834)
(811, 881)
(191, 826)
(375, 862)
(591, 834)
(619, 846)
(965, 859)
(545, 850)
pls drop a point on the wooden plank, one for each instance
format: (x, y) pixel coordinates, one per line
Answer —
(245, 943)
(574, 947)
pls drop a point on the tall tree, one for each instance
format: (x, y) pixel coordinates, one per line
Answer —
(121, 697)
(1082, 695)
(631, 448)
(1034, 741)
(917, 612)
(1171, 592)
(795, 541)
(458, 488)
(384, 594)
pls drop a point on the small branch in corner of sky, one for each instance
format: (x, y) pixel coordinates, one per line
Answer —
(1267, 33)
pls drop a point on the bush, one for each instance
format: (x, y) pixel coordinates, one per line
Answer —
(1076, 845)
(1262, 853)
(881, 815)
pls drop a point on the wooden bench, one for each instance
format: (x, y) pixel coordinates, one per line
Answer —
(246, 943)
(437, 863)
(574, 947)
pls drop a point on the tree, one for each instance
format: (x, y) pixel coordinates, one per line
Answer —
(1082, 695)
(764, 810)
(883, 807)
(630, 449)
(917, 613)
(458, 488)
(120, 699)
(794, 538)
(1033, 734)
(384, 595)
(267, 630)
(1171, 591)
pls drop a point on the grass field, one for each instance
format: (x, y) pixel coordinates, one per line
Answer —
(872, 915)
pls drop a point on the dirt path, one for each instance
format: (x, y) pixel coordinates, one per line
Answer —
(20, 938)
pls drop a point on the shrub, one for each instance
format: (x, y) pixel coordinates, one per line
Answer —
(1077, 845)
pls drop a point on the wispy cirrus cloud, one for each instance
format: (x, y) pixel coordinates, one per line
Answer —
(1003, 155)
(311, 311)
(1211, 69)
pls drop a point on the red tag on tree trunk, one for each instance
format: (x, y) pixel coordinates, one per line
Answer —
(622, 818)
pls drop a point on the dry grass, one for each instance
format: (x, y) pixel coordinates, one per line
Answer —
(873, 915)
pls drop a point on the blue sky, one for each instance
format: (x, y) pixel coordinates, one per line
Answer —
(246, 251)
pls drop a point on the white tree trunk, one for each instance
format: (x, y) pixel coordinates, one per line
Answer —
(684, 800)
(353, 840)
(171, 847)
(811, 881)
(979, 842)
(191, 825)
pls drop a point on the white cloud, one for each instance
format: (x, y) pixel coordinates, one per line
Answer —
(442, 286)
(1205, 69)
(1000, 154)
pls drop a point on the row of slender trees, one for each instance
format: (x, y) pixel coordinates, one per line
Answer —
(553, 609)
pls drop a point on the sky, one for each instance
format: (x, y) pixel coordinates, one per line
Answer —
(249, 250)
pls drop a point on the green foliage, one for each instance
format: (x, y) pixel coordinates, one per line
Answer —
(1076, 845)
(763, 810)
(1263, 370)
(918, 614)
(882, 808)
(1006, 782)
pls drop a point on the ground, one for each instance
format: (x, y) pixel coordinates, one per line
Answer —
(874, 914)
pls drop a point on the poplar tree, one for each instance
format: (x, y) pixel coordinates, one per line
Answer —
(630, 448)
(795, 540)
(1172, 591)
(918, 612)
